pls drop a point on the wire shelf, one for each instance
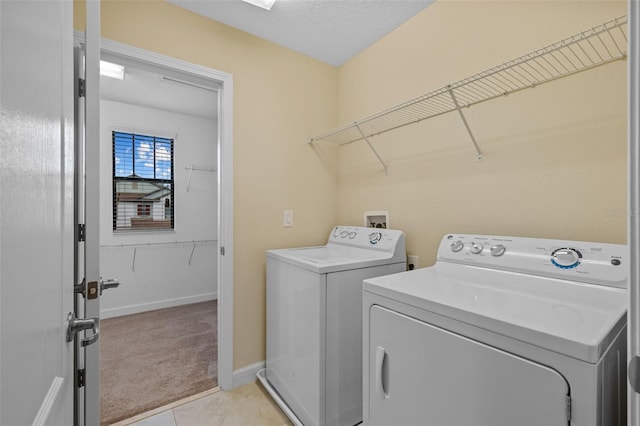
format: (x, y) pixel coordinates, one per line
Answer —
(588, 49)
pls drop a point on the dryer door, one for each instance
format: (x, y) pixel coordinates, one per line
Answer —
(420, 374)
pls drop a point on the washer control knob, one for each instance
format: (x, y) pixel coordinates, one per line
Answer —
(374, 237)
(456, 246)
(566, 258)
(475, 248)
(498, 250)
(343, 234)
(352, 235)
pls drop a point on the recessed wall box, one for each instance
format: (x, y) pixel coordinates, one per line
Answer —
(376, 219)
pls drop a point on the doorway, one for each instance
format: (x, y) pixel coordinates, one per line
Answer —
(181, 73)
(158, 144)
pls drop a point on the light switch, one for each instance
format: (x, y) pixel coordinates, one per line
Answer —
(288, 219)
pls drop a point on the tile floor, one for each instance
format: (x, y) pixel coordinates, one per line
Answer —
(247, 405)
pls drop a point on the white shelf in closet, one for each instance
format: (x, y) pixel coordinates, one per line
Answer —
(586, 50)
(195, 167)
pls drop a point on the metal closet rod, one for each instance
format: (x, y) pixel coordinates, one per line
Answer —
(136, 246)
(168, 243)
(200, 167)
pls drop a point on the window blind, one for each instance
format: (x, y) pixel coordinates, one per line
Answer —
(143, 182)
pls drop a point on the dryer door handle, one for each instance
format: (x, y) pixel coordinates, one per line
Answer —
(382, 373)
(634, 373)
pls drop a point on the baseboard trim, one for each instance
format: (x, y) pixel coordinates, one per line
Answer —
(152, 306)
(245, 375)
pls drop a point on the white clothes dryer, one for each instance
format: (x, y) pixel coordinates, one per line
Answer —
(501, 331)
(314, 322)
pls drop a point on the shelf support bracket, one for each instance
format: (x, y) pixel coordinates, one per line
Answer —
(386, 169)
(192, 250)
(189, 179)
(464, 120)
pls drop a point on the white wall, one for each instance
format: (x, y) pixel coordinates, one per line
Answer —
(161, 276)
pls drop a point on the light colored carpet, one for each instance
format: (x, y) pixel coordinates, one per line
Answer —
(151, 359)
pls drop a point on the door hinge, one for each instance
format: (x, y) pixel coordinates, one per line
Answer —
(568, 407)
(82, 85)
(222, 251)
(81, 378)
(81, 232)
(80, 288)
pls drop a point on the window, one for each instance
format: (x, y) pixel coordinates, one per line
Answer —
(143, 186)
(144, 210)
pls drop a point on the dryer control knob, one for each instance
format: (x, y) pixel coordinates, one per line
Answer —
(374, 237)
(566, 258)
(456, 246)
(475, 248)
(498, 250)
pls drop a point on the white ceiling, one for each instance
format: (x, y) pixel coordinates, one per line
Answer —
(151, 87)
(332, 31)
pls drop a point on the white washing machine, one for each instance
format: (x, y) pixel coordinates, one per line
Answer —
(314, 322)
(501, 331)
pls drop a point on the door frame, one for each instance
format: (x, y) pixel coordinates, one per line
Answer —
(633, 207)
(225, 187)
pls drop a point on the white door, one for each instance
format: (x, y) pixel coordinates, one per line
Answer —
(633, 229)
(36, 212)
(420, 374)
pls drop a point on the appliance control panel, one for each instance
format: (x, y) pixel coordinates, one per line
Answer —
(373, 238)
(597, 263)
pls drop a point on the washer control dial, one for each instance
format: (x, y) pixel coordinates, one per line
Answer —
(475, 248)
(352, 235)
(456, 246)
(566, 258)
(343, 234)
(374, 237)
(498, 250)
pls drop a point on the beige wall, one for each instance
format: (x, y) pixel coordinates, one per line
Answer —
(555, 156)
(280, 99)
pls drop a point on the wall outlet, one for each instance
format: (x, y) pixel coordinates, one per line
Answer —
(412, 262)
(287, 221)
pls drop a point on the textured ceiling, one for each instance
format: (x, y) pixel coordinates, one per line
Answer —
(332, 31)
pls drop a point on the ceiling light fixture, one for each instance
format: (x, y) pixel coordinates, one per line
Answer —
(109, 69)
(265, 4)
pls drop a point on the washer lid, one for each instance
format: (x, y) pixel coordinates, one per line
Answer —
(576, 319)
(349, 247)
(332, 258)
